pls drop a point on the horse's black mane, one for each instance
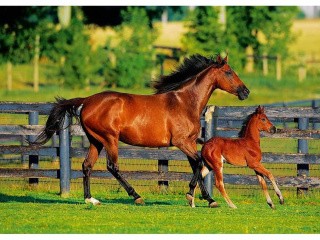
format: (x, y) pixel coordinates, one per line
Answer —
(245, 125)
(189, 68)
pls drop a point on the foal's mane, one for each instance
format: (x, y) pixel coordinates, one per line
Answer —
(245, 125)
(183, 73)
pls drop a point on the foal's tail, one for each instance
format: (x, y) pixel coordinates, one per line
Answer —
(56, 118)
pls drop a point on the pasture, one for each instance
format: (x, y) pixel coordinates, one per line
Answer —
(43, 211)
(39, 209)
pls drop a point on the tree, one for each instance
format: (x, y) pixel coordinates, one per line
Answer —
(206, 35)
(133, 52)
(264, 28)
(68, 46)
(19, 29)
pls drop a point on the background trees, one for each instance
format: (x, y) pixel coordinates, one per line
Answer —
(127, 58)
(266, 29)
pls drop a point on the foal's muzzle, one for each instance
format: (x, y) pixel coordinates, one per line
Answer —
(243, 92)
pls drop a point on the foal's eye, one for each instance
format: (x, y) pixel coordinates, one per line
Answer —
(263, 119)
(228, 72)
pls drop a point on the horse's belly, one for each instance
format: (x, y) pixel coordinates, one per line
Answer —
(145, 138)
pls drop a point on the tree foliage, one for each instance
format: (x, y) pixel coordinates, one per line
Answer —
(133, 53)
(266, 29)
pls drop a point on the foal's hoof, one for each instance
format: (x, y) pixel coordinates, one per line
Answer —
(139, 201)
(281, 201)
(92, 201)
(190, 200)
(213, 205)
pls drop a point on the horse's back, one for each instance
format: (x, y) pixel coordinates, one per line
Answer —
(135, 119)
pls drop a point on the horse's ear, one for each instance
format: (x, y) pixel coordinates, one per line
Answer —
(226, 59)
(219, 59)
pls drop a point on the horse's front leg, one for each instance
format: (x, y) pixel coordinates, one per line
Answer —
(112, 166)
(190, 149)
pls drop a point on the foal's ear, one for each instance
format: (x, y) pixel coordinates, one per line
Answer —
(260, 110)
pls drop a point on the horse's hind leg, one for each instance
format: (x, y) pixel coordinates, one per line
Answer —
(87, 165)
(113, 168)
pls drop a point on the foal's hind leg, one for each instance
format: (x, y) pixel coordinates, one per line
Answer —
(112, 166)
(263, 171)
(217, 168)
(265, 189)
(87, 165)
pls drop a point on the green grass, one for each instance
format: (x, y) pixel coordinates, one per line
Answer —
(37, 212)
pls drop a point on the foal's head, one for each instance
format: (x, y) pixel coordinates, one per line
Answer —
(262, 122)
(228, 80)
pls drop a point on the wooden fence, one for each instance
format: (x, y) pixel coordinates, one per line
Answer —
(300, 123)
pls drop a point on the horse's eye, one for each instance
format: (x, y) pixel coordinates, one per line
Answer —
(263, 119)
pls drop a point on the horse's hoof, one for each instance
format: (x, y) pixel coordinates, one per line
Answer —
(139, 201)
(190, 200)
(281, 201)
(213, 205)
(92, 201)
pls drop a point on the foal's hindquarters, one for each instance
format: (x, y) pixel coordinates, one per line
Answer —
(218, 150)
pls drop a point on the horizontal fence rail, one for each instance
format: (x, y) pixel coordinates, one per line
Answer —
(216, 121)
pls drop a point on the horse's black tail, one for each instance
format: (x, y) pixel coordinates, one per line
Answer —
(56, 118)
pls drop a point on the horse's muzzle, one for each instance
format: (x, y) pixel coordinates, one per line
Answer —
(243, 92)
(273, 130)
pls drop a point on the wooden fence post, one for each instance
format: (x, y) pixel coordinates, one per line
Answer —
(315, 104)
(65, 161)
(209, 126)
(302, 169)
(278, 68)
(36, 64)
(33, 159)
(163, 166)
(265, 64)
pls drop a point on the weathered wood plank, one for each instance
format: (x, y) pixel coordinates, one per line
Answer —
(20, 129)
(25, 107)
(28, 173)
(271, 112)
(305, 182)
(137, 153)
(155, 154)
(281, 133)
(29, 150)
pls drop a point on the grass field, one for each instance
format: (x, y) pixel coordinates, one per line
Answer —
(45, 212)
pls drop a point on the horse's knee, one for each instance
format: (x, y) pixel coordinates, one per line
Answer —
(86, 169)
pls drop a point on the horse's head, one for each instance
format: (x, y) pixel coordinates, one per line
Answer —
(228, 80)
(263, 123)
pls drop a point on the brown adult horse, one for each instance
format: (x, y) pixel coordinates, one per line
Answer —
(170, 117)
(243, 151)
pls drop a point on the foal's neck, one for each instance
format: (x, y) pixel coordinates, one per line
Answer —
(252, 132)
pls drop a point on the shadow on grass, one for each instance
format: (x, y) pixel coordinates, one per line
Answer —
(130, 201)
(32, 199)
(55, 199)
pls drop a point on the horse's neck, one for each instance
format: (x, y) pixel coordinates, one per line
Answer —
(199, 91)
(252, 132)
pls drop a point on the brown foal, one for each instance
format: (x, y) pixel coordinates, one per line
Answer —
(243, 151)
